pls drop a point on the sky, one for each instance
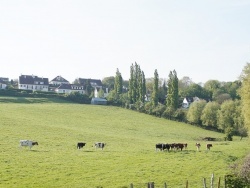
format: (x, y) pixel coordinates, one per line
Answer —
(203, 40)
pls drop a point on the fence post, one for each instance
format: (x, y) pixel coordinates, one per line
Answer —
(219, 183)
(204, 183)
(151, 185)
(212, 180)
(165, 185)
(187, 184)
(131, 185)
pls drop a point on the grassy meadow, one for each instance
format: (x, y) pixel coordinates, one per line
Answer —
(129, 156)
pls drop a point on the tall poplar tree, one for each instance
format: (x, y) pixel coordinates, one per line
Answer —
(154, 97)
(118, 82)
(172, 91)
(137, 85)
(244, 93)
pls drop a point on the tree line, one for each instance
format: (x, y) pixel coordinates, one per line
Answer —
(222, 105)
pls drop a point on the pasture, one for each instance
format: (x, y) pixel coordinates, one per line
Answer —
(128, 157)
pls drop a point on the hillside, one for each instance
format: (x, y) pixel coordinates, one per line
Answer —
(129, 156)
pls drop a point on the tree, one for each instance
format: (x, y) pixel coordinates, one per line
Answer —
(195, 111)
(154, 97)
(227, 116)
(100, 93)
(172, 91)
(244, 93)
(109, 82)
(136, 84)
(118, 82)
(212, 86)
(209, 114)
(88, 87)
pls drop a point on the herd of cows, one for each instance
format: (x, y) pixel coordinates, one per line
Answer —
(178, 146)
(30, 144)
(159, 146)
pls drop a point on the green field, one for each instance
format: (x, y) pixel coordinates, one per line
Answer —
(129, 156)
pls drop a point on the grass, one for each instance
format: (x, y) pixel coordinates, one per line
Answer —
(129, 156)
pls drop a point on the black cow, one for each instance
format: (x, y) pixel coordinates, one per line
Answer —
(99, 145)
(162, 146)
(80, 145)
(209, 146)
(179, 146)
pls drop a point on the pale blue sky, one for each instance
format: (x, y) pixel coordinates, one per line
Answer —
(203, 40)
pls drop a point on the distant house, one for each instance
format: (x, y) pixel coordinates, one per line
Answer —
(98, 101)
(6, 80)
(3, 84)
(188, 100)
(58, 81)
(31, 82)
(95, 83)
(105, 92)
(68, 88)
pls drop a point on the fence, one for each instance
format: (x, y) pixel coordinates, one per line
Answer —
(227, 182)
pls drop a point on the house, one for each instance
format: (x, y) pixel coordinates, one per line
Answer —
(58, 81)
(31, 82)
(188, 100)
(96, 91)
(3, 84)
(68, 88)
(95, 83)
(99, 101)
(6, 80)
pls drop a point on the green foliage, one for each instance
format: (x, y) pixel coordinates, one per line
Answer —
(109, 82)
(209, 114)
(154, 96)
(136, 84)
(101, 93)
(78, 98)
(195, 112)
(158, 110)
(244, 93)
(169, 113)
(118, 82)
(172, 100)
(227, 115)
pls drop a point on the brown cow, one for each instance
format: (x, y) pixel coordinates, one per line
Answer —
(209, 146)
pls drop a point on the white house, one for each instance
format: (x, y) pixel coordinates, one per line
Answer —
(68, 88)
(35, 83)
(58, 81)
(3, 84)
(188, 100)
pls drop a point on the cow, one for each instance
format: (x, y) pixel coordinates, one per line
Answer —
(99, 145)
(209, 146)
(198, 145)
(179, 146)
(162, 146)
(185, 145)
(80, 145)
(28, 143)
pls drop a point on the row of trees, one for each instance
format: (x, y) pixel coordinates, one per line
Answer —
(152, 96)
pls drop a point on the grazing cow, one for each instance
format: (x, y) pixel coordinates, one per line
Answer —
(80, 145)
(185, 145)
(173, 146)
(179, 146)
(162, 146)
(209, 146)
(198, 145)
(99, 145)
(27, 143)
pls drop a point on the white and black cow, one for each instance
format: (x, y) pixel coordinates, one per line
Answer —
(80, 145)
(162, 146)
(198, 145)
(99, 145)
(28, 143)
